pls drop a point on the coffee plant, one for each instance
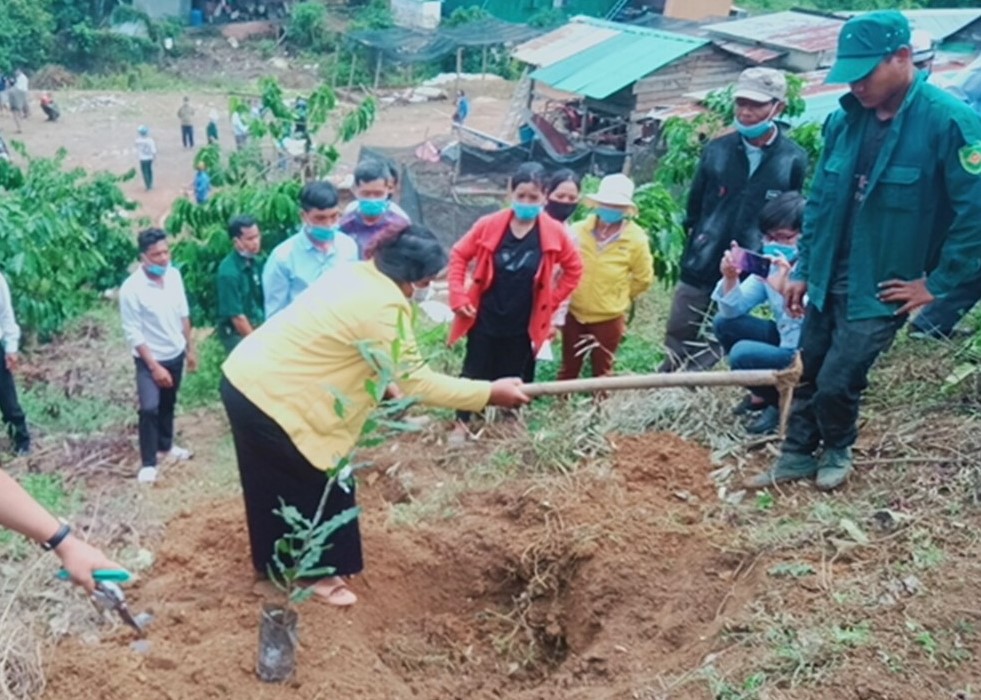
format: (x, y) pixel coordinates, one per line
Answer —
(65, 237)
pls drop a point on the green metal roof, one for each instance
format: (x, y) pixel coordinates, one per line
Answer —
(601, 70)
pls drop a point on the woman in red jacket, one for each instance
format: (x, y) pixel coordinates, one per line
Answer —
(523, 266)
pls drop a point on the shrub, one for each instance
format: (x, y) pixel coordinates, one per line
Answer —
(66, 237)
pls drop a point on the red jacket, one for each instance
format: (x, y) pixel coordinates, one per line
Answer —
(477, 248)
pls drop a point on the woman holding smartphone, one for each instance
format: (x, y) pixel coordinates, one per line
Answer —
(749, 341)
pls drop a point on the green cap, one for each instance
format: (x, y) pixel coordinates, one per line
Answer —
(864, 41)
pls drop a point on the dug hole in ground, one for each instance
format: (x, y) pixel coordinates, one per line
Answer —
(537, 588)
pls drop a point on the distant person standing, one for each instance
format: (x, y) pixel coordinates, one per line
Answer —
(19, 97)
(23, 92)
(240, 301)
(201, 184)
(462, 108)
(146, 151)
(4, 92)
(157, 326)
(186, 115)
(211, 131)
(13, 414)
(374, 213)
(302, 258)
(240, 130)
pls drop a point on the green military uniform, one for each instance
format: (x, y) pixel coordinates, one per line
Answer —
(892, 199)
(239, 294)
(922, 207)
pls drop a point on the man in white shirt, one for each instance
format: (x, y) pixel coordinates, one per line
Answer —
(157, 326)
(146, 151)
(13, 414)
(241, 131)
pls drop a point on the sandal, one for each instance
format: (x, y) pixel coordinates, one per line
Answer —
(337, 594)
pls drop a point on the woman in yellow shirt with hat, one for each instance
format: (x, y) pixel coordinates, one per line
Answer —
(617, 268)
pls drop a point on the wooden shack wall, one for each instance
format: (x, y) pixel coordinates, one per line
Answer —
(705, 69)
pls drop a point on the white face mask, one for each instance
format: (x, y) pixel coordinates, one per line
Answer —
(421, 293)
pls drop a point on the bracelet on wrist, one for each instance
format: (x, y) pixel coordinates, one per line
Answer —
(57, 538)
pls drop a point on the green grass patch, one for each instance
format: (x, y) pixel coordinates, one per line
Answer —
(200, 389)
(48, 408)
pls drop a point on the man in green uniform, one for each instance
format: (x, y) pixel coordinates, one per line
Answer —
(893, 221)
(240, 301)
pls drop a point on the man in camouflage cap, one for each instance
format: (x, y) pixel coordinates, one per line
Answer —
(892, 223)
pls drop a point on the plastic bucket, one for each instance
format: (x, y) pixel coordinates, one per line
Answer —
(197, 18)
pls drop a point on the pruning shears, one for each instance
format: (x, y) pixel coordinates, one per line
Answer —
(109, 596)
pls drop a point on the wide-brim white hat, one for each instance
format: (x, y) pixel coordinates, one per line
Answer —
(614, 190)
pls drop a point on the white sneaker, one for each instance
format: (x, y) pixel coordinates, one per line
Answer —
(147, 475)
(179, 454)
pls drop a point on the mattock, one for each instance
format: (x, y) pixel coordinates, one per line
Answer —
(783, 379)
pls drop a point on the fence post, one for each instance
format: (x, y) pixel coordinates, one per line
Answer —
(378, 68)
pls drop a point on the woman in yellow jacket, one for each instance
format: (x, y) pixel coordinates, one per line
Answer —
(617, 268)
(283, 384)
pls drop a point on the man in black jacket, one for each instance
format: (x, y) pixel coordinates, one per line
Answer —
(736, 176)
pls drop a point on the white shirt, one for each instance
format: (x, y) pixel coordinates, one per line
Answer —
(9, 330)
(238, 125)
(146, 148)
(20, 82)
(153, 314)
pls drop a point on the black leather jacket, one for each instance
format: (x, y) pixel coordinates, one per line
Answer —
(724, 202)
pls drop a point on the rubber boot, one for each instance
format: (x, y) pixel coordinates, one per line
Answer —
(790, 466)
(833, 468)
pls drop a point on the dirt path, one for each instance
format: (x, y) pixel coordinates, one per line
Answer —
(98, 130)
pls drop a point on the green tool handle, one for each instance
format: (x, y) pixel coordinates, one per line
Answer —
(113, 575)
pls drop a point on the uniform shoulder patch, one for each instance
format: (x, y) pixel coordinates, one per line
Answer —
(970, 157)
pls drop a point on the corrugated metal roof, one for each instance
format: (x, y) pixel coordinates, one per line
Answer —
(940, 23)
(604, 68)
(563, 42)
(756, 54)
(796, 31)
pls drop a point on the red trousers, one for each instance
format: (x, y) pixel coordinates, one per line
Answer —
(599, 340)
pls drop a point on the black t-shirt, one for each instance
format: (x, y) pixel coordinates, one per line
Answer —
(874, 136)
(505, 309)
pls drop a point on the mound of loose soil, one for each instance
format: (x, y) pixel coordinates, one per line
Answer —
(532, 591)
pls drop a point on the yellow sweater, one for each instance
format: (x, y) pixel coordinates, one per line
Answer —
(296, 365)
(613, 276)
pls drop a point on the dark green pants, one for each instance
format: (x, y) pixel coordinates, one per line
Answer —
(146, 168)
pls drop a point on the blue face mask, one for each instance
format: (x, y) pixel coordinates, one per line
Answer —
(787, 252)
(322, 234)
(155, 270)
(526, 212)
(610, 216)
(373, 207)
(755, 131)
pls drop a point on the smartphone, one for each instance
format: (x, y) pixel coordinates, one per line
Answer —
(752, 263)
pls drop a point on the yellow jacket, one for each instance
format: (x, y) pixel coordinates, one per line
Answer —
(297, 365)
(612, 276)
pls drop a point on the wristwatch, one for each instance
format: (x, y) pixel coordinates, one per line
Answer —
(58, 537)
